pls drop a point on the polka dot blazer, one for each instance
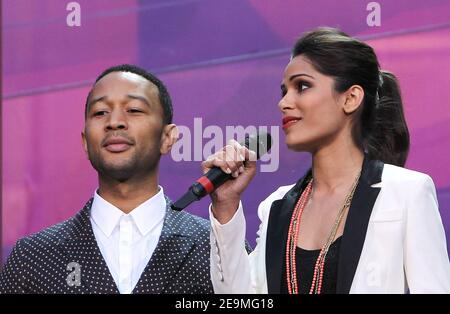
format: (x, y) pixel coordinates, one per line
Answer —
(65, 258)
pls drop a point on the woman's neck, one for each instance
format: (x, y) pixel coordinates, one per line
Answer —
(336, 166)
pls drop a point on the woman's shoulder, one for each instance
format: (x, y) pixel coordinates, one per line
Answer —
(265, 205)
(279, 193)
(399, 175)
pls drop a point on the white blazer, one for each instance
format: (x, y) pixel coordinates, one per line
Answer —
(393, 241)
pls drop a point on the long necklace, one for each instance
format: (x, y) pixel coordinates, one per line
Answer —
(294, 228)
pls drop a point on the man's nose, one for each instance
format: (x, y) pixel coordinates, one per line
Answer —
(117, 120)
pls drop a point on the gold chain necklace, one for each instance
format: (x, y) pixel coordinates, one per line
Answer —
(294, 227)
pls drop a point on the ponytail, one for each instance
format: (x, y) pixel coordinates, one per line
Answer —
(387, 138)
(380, 129)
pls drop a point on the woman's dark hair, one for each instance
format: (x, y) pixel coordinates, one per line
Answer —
(380, 128)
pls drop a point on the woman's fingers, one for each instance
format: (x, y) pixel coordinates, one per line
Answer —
(230, 159)
(216, 160)
(234, 158)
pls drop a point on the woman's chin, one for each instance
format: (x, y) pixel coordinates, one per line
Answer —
(297, 145)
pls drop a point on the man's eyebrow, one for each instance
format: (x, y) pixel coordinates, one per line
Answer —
(93, 101)
(129, 96)
(138, 97)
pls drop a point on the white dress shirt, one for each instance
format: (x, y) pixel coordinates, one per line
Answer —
(127, 241)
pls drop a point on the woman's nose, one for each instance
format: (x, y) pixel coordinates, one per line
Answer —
(285, 103)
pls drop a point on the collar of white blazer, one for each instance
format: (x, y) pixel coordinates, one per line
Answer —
(352, 240)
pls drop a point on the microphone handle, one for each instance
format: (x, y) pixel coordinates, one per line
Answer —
(210, 181)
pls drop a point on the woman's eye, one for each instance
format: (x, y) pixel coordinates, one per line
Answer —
(134, 110)
(302, 86)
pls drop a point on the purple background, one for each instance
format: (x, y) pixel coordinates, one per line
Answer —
(221, 60)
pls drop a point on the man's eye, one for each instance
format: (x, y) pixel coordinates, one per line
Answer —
(134, 110)
(100, 113)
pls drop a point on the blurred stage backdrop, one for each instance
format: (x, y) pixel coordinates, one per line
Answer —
(221, 60)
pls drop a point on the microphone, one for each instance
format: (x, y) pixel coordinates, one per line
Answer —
(259, 143)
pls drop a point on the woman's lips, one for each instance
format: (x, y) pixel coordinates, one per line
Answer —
(289, 121)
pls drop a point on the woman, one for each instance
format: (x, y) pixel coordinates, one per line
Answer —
(357, 222)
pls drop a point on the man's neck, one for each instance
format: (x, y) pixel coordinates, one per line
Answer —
(129, 194)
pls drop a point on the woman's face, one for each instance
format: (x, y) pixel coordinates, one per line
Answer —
(311, 109)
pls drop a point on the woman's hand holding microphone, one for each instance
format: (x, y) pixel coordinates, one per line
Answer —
(240, 162)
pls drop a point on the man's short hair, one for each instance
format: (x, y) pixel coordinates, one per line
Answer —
(164, 97)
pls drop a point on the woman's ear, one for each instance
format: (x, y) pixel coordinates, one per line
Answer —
(169, 137)
(353, 99)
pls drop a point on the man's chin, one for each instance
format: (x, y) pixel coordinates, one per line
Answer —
(117, 172)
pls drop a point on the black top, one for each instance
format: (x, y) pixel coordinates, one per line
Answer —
(305, 263)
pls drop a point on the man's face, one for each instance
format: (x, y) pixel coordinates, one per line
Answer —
(124, 126)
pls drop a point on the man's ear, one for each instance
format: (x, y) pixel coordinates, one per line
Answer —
(84, 142)
(353, 99)
(168, 138)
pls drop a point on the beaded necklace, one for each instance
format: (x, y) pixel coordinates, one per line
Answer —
(294, 228)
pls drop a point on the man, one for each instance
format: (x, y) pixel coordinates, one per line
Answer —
(126, 239)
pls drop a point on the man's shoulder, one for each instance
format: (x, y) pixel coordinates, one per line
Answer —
(54, 235)
(50, 236)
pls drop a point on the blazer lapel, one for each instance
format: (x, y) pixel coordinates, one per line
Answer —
(277, 231)
(357, 223)
(81, 247)
(173, 247)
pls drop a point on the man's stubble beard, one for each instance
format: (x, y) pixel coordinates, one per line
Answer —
(134, 167)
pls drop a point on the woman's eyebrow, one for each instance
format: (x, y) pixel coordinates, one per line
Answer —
(300, 74)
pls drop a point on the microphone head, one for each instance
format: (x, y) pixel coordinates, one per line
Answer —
(260, 143)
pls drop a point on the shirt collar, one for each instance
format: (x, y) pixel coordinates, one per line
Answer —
(146, 216)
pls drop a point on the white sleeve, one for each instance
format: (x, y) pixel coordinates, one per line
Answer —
(232, 269)
(230, 266)
(427, 266)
